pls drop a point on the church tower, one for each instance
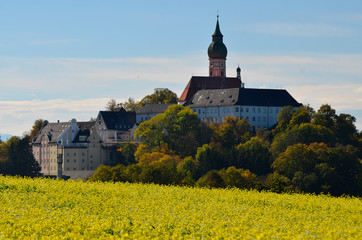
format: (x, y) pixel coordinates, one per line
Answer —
(217, 54)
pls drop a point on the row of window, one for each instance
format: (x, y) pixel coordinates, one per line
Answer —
(254, 119)
(54, 168)
(216, 73)
(117, 126)
(216, 64)
(76, 161)
(237, 109)
(79, 169)
(75, 154)
(145, 119)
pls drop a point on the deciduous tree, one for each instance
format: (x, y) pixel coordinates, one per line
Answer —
(255, 156)
(171, 127)
(113, 106)
(37, 126)
(18, 159)
(160, 96)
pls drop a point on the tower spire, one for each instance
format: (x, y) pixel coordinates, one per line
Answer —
(217, 53)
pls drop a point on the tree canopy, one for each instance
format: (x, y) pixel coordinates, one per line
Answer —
(160, 96)
(307, 151)
(176, 127)
(37, 126)
(16, 157)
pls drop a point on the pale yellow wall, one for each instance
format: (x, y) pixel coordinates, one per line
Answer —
(75, 158)
(87, 158)
(53, 165)
(95, 151)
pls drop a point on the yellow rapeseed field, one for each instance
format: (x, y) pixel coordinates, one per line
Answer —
(52, 209)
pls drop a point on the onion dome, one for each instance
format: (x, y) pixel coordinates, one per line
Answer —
(217, 48)
(238, 70)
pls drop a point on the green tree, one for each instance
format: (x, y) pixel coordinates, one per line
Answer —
(160, 96)
(126, 153)
(303, 114)
(172, 127)
(113, 106)
(205, 132)
(209, 158)
(255, 156)
(103, 173)
(3, 158)
(317, 167)
(212, 179)
(344, 160)
(37, 126)
(239, 178)
(188, 170)
(131, 105)
(325, 116)
(17, 158)
(160, 173)
(284, 117)
(279, 183)
(307, 182)
(345, 129)
(305, 133)
(231, 131)
(300, 158)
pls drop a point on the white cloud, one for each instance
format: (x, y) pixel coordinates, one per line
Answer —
(346, 97)
(80, 78)
(16, 117)
(315, 79)
(60, 83)
(331, 69)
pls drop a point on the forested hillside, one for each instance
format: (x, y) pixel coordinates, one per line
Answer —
(308, 151)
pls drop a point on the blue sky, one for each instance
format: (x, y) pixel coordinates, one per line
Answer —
(65, 59)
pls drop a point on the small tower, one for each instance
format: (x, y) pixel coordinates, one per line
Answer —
(217, 54)
(238, 76)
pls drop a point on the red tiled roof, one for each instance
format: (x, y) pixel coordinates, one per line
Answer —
(203, 83)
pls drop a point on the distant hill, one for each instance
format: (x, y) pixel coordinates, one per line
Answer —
(4, 136)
